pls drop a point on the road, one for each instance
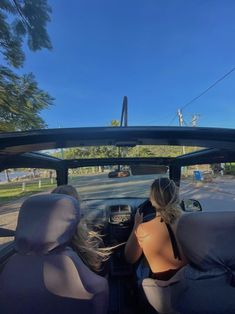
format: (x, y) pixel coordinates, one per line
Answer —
(214, 196)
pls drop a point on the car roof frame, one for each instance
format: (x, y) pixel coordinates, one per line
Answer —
(16, 148)
(35, 140)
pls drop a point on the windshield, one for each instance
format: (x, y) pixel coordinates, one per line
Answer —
(102, 182)
(100, 186)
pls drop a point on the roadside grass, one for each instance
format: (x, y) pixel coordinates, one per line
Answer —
(230, 168)
(13, 190)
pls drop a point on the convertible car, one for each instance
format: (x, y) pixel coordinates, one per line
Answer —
(207, 283)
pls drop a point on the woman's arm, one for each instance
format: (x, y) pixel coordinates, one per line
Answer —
(133, 250)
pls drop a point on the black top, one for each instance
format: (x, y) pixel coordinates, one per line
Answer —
(175, 247)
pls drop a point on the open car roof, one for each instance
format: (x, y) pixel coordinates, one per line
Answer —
(17, 149)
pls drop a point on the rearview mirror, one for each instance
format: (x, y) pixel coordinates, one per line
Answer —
(191, 205)
(137, 170)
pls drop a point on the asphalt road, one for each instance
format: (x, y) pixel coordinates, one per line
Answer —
(100, 186)
(214, 196)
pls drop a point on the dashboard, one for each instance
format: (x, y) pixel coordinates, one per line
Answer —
(120, 214)
(120, 218)
(112, 211)
(114, 218)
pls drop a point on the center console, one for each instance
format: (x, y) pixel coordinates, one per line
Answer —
(120, 226)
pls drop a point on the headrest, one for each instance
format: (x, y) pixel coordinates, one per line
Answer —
(46, 222)
(208, 238)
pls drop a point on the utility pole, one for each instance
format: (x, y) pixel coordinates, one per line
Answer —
(180, 116)
(195, 119)
(181, 121)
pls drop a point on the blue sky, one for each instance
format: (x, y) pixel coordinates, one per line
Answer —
(160, 53)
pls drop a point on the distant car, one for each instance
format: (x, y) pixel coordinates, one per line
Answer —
(119, 174)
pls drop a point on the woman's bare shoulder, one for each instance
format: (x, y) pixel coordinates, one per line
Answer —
(146, 228)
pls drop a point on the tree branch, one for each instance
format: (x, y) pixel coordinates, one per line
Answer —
(23, 19)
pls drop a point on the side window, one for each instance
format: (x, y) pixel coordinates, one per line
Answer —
(15, 186)
(198, 173)
(211, 184)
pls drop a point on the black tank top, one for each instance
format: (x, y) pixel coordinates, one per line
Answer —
(174, 244)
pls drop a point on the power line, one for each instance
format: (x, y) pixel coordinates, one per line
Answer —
(173, 119)
(210, 87)
(203, 93)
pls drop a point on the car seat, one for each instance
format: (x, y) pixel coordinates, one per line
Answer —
(207, 283)
(208, 286)
(45, 275)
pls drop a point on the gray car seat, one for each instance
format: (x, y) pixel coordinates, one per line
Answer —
(208, 241)
(207, 284)
(159, 293)
(46, 275)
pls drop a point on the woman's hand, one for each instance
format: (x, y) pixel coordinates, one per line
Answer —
(138, 219)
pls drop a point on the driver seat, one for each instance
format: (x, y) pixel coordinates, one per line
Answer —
(45, 275)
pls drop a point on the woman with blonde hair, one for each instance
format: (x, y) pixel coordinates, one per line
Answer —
(156, 238)
(87, 243)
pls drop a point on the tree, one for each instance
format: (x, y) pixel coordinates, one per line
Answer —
(115, 123)
(21, 100)
(20, 19)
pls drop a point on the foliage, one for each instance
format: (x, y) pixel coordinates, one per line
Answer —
(115, 123)
(21, 102)
(20, 19)
(230, 168)
(112, 152)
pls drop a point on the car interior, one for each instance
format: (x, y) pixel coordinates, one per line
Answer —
(37, 278)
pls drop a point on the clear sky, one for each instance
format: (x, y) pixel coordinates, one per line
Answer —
(160, 53)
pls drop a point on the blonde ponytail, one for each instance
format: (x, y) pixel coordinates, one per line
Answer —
(164, 197)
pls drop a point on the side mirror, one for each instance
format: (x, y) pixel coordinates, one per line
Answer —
(191, 205)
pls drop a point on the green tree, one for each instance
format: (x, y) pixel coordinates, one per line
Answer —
(115, 123)
(21, 100)
(21, 19)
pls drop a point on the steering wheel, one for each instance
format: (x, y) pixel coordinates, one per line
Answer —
(149, 212)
